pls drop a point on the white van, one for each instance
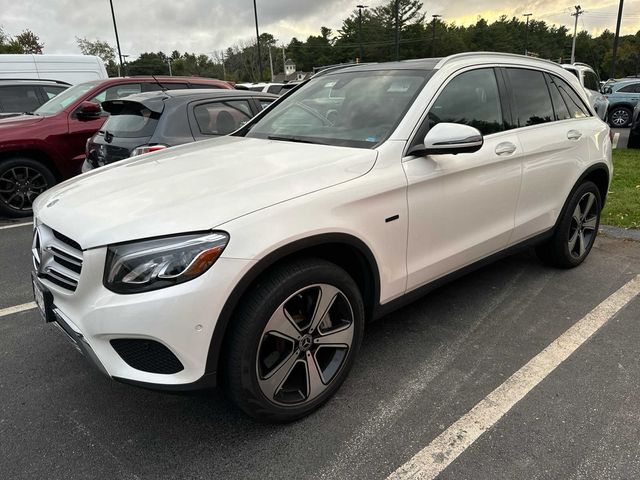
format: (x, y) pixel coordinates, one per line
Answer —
(67, 68)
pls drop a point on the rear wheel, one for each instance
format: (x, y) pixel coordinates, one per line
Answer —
(294, 340)
(21, 181)
(576, 232)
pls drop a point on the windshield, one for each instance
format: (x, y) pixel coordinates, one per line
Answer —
(66, 98)
(354, 109)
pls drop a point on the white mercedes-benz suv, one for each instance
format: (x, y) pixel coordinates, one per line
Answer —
(255, 260)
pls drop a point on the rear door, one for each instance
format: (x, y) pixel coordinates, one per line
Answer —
(554, 127)
(462, 207)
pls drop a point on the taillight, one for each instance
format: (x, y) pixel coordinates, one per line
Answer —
(146, 149)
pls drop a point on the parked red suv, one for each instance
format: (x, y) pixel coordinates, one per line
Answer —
(41, 148)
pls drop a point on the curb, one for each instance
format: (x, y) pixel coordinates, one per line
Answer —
(621, 233)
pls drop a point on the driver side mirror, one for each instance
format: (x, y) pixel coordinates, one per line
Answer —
(88, 110)
(451, 138)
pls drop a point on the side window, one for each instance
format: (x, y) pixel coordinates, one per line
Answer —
(628, 89)
(591, 81)
(204, 85)
(530, 97)
(20, 98)
(471, 98)
(274, 89)
(577, 108)
(51, 90)
(559, 105)
(223, 117)
(117, 91)
(264, 103)
(175, 86)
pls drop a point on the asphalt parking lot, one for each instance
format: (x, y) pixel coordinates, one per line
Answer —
(420, 370)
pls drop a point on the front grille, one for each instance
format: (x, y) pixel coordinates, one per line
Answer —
(147, 355)
(56, 258)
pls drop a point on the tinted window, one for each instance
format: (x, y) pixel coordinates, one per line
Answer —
(222, 118)
(131, 120)
(264, 103)
(472, 99)
(274, 89)
(559, 105)
(577, 108)
(633, 88)
(19, 98)
(118, 91)
(531, 100)
(591, 81)
(256, 89)
(51, 90)
(204, 85)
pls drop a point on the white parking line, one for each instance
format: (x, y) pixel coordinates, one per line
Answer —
(17, 308)
(15, 225)
(429, 462)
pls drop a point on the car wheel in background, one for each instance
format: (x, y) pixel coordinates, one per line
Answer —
(294, 340)
(620, 117)
(576, 231)
(21, 181)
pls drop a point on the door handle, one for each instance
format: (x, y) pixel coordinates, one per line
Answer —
(505, 148)
(574, 135)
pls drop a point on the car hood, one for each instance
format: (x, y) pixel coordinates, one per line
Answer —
(193, 187)
(19, 121)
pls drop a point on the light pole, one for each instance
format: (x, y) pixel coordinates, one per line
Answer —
(577, 13)
(433, 37)
(615, 41)
(115, 27)
(526, 34)
(169, 63)
(255, 12)
(360, 8)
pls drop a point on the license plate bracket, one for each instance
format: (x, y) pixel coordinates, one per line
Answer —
(43, 299)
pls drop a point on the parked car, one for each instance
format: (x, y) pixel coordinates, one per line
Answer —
(590, 81)
(71, 69)
(20, 96)
(623, 95)
(149, 122)
(42, 148)
(634, 131)
(257, 258)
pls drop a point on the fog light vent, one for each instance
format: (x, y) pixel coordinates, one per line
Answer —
(147, 355)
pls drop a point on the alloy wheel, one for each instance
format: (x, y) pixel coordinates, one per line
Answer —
(19, 187)
(582, 230)
(304, 345)
(620, 118)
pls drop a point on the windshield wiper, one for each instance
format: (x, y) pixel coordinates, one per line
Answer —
(288, 138)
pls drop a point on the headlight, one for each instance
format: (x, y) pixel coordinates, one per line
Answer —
(163, 262)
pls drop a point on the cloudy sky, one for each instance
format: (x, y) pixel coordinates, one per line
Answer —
(203, 26)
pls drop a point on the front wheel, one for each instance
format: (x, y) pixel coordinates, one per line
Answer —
(294, 340)
(620, 117)
(576, 231)
(21, 181)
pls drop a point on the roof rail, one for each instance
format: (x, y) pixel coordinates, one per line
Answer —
(36, 80)
(333, 68)
(487, 54)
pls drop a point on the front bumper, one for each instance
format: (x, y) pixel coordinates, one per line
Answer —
(182, 318)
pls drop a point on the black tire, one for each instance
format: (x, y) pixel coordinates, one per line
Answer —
(575, 234)
(248, 337)
(620, 117)
(21, 181)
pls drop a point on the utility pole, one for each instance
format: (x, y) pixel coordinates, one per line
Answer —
(615, 41)
(115, 27)
(255, 12)
(526, 34)
(433, 37)
(284, 60)
(169, 62)
(224, 68)
(360, 8)
(270, 62)
(577, 13)
(397, 8)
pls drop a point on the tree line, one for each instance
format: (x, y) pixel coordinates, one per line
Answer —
(368, 36)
